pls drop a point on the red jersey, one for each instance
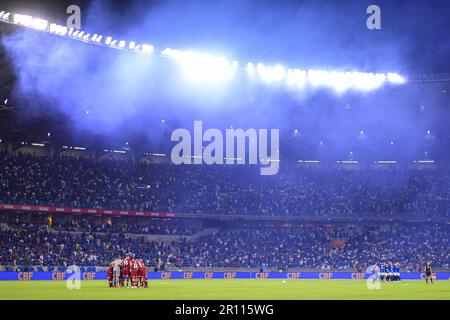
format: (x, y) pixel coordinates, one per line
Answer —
(126, 262)
(134, 265)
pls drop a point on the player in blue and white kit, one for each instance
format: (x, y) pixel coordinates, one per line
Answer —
(375, 269)
(373, 276)
(382, 271)
(386, 271)
(396, 270)
(389, 272)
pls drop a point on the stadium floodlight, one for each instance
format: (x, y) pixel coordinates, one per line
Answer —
(250, 68)
(53, 28)
(395, 78)
(342, 81)
(271, 74)
(22, 19)
(30, 22)
(168, 52)
(147, 48)
(58, 29)
(348, 161)
(296, 78)
(4, 15)
(318, 77)
(367, 81)
(94, 37)
(39, 24)
(200, 67)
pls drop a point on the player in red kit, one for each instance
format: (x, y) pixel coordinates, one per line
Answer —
(126, 274)
(109, 274)
(134, 267)
(142, 274)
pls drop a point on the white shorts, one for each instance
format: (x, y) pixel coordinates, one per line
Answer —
(116, 271)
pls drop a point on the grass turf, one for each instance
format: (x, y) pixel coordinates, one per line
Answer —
(227, 289)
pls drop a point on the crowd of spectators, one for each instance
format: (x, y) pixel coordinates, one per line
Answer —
(34, 244)
(105, 224)
(152, 227)
(108, 184)
(316, 247)
(301, 246)
(309, 192)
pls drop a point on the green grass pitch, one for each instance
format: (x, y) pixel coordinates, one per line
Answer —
(228, 289)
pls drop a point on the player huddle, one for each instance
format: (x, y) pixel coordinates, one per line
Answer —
(389, 271)
(125, 272)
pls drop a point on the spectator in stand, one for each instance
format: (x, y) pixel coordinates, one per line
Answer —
(109, 184)
(296, 247)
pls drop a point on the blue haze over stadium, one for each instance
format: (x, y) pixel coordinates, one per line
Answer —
(121, 96)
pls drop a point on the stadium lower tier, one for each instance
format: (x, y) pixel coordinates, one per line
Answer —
(257, 245)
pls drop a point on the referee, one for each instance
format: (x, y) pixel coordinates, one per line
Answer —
(428, 275)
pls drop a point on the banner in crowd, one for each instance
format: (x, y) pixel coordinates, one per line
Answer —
(19, 207)
(27, 276)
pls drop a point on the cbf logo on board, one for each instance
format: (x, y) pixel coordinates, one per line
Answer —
(214, 147)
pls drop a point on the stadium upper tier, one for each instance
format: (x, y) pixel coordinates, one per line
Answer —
(225, 190)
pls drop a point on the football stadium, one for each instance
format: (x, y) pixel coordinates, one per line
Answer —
(224, 150)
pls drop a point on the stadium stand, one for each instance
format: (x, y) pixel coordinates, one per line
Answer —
(123, 185)
(56, 239)
(234, 245)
